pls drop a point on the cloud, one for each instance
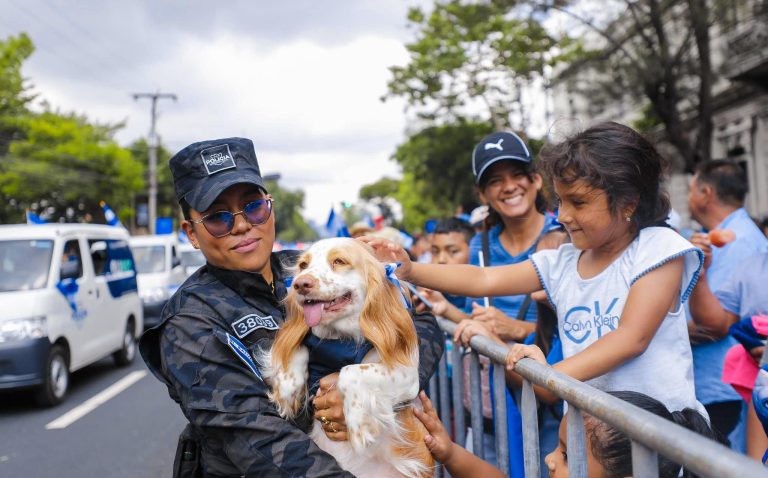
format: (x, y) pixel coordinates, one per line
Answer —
(302, 79)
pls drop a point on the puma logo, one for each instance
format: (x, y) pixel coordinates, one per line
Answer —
(494, 145)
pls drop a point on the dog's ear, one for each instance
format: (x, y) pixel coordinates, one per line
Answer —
(291, 333)
(385, 321)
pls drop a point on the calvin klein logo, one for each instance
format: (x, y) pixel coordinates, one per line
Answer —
(217, 159)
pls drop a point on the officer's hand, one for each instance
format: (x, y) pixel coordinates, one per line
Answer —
(329, 408)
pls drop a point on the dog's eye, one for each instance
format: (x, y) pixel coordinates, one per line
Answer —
(303, 265)
(339, 262)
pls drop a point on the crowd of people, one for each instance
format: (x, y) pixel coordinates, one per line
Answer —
(594, 280)
(607, 256)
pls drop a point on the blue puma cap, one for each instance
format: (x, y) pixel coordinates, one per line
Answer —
(497, 146)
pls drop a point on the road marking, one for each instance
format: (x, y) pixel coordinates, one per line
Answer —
(92, 403)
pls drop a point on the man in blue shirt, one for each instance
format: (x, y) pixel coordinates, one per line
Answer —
(715, 200)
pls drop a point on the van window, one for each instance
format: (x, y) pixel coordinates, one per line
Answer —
(71, 257)
(24, 264)
(112, 259)
(99, 256)
(149, 258)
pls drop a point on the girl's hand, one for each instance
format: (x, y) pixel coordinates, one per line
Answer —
(468, 328)
(701, 241)
(520, 351)
(501, 324)
(388, 251)
(329, 408)
(438, 441)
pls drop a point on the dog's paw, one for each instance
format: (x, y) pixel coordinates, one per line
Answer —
(289, 385)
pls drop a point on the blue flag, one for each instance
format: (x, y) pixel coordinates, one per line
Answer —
(33, 218)
(109, 215)
(336, 226)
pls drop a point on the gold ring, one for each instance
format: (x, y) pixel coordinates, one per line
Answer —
(324, 420)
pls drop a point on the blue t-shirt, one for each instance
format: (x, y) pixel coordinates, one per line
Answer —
(708, 357)
(509, 304)
(744, 294)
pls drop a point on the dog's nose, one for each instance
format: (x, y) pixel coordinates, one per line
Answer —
(304, 284)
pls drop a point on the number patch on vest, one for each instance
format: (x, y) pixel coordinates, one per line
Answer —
(251, 322)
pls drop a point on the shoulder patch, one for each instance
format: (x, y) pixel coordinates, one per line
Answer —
(242, 354)
(248, 323)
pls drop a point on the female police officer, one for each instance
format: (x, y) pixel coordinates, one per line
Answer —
(202, 349)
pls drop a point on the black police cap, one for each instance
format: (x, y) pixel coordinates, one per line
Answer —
(203, 170)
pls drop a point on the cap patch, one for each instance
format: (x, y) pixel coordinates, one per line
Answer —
(497, 145)
(217, 158)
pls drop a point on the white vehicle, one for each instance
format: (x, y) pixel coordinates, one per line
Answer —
(191, 259)
(160, 272)
(68, 298)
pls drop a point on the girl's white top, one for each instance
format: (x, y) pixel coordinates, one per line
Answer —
(588, 309)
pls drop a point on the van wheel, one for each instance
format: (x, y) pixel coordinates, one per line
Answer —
(55, 378)
(127, 353)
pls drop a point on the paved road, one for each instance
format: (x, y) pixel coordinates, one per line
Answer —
(131, 434)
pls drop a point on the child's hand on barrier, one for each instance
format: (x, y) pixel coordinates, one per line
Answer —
(388, 251)
(438, 441)
(520, 351)
(468, 328)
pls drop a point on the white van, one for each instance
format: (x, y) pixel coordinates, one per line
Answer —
(68, 298)
(191, 259)
(160, 272)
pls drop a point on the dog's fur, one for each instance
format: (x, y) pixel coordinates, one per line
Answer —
(382, 441)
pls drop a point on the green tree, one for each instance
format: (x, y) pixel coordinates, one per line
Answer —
(14, 93)
(62, 166)
(384, 187)
(658, 54)
(437, 172)
(476, 54)
(290, 226)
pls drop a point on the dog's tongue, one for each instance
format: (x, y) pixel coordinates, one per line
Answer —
(312, 313)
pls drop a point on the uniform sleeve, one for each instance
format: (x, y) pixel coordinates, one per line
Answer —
(431, 345)
(659, 245)
(241, 431)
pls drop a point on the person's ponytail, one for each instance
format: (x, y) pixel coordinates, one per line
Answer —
(694, 421)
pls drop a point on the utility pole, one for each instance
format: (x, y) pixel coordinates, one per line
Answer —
(153, 143)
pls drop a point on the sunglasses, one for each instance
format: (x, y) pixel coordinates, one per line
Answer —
(220, 223)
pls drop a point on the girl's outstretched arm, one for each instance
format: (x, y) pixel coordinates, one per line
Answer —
(649, 300)
(458, 279)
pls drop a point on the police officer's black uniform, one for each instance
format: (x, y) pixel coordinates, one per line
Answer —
(204, 346)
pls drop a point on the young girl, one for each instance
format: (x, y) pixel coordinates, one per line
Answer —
(609, 451)
(618, 288)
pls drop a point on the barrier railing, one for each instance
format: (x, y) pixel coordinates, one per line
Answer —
(650, 434)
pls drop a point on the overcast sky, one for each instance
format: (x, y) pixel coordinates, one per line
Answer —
(301, 78)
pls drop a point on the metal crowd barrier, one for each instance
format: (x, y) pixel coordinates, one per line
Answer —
(650, 434)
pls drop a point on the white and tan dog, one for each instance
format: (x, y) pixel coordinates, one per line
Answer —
(340, 291)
